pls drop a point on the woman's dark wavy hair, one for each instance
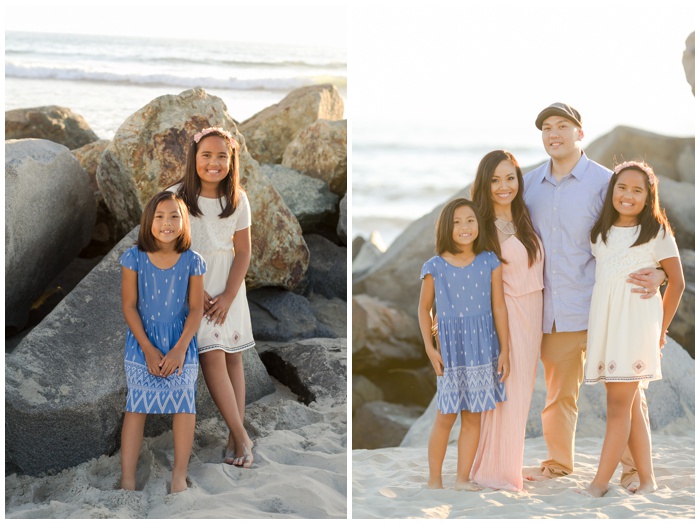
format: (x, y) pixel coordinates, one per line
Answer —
(229, 187)
(481, 195)
(650, 219)
(445, 226)
(146, 241)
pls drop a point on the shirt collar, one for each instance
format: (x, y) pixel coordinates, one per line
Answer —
(578, 170)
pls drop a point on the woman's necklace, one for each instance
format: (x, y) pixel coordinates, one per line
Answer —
(505, 227)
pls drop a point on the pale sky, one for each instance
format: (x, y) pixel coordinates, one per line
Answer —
(495, 64)
(252, 22)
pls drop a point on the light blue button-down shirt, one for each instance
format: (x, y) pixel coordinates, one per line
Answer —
(563, 215)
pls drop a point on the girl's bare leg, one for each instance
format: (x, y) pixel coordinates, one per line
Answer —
(132, 438)
(437, 447)
(640, 448)
(183, 435)
(620, 396)
(467, 445)
(234, 366)
(222, 392)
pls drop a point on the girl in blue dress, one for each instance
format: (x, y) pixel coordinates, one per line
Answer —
(162, 301)
(465, 283)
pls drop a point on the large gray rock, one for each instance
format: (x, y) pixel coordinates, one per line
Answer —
(148, 153)
(65, 387)
(364, 391)
(55, 123)
(682, 329)
(381, 424)
(333, 312)
(321, 151)
(279, 315)
(396, 277)
(270, 131)
(327, 273)
(342, 228)
(678, 199)
(49, 217)
(689, 60)
(671, 157)
(383, 337)
(309, 199)
(312, 368)
(671, 403)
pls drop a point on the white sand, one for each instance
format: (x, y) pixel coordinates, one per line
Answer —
(390, 483)
(299, 471)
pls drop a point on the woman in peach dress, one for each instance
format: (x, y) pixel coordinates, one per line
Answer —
(498, 195)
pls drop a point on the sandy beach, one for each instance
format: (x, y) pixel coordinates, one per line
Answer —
(391, 483)
(299, 472)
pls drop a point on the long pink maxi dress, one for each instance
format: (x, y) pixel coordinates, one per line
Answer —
(499, 458)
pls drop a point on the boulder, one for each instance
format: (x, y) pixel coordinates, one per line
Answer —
(671, 403)
(321, 151)
(689, 60)
(383, 337)
(105, 234)
(148, 154)
(55, 123)
(381, 424)
(396, 276)
(342, 227)
(357, 244)
(682, 328)
(678, 199)
(49, 217)
(308, 198)
(327, 273)
(65, 386)
(407, 386)
(270, 131)
(312, 368)
(671, 157)
(332, 312)
(367, 257)
(364, 391)
(279, 315)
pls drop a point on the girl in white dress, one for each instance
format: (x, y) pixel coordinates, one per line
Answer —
(220, 219)
(625, 334)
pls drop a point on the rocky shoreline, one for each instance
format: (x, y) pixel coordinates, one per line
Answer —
(64, 384)
(392, 380)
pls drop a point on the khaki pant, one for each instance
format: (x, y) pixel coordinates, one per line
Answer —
(563, 357)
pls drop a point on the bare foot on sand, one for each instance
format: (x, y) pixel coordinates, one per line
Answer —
(534, 473)
(467, 486)
(178, 485)
(435, 483)
(592, 491)
(651, 487)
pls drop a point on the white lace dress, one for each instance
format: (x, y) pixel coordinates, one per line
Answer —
(212, 237)
(623, 329)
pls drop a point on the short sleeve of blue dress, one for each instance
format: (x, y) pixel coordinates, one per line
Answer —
(468, 339)
(163, 307)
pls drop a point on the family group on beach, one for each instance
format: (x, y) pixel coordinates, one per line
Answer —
(564, 264)
(184, 301)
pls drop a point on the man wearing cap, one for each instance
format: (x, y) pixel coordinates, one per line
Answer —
(564, 197)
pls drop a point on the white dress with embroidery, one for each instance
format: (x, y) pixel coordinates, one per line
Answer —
(212, 237)
(623, 329)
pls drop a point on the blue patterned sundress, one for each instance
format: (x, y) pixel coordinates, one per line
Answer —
(163, 307)
(468, 339)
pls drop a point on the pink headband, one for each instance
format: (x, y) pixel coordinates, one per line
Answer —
(632, 164)
(209, 130)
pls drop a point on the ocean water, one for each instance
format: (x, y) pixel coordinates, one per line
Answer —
(107, 78)
(397, 176)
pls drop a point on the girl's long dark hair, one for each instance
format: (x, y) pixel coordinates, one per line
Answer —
(481, 195)
(229, 187)
(650, 219)
(445, 227)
